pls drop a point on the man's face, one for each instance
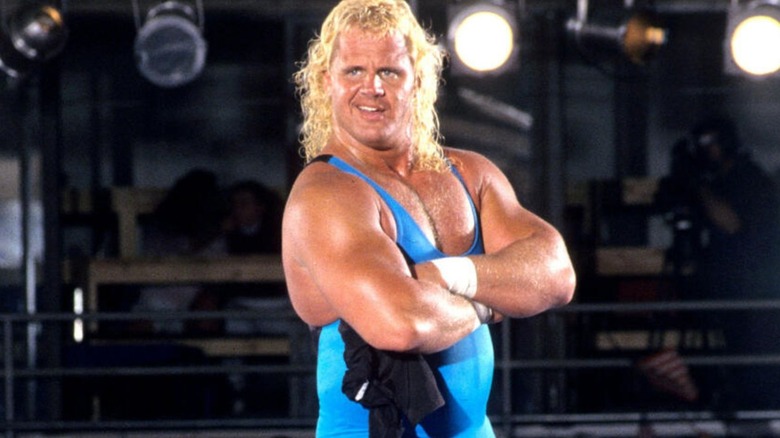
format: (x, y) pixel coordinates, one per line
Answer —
(709, 150)
(246, 210)
(371, 81)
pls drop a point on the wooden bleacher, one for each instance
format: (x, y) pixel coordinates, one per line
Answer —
(132, 269)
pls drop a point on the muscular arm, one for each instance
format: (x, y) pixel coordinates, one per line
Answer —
(341, 262)
(526, 267)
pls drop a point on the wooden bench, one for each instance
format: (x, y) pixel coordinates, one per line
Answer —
(193, 270)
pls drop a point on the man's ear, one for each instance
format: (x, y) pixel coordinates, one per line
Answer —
(326, 81)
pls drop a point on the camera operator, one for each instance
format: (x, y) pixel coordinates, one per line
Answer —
(741, 211)
(734, 212)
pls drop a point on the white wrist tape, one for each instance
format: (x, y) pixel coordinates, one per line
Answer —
(459, 273)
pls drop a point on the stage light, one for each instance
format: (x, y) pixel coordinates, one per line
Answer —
(638, 38)
(482, 37)
(752, 45)
(170, 50)
(34, 35)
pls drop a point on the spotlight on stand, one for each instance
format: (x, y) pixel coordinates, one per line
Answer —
(752, 46)
(483, 37)
(33, 35)
(638, 38)
(169, 48)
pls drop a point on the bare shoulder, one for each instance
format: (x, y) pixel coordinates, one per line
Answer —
(479, 172)
(321, 183)
(471, 163)
(322, 197)
(466, 156)
(503, 218)
(317, 176)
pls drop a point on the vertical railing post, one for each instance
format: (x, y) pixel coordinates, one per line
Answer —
(8, 367)
(506, 377)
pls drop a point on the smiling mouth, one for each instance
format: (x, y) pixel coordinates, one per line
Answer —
(369, 109)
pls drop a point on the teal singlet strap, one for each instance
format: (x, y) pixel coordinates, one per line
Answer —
(410, 237)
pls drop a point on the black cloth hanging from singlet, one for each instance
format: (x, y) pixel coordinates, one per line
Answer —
(392, 385)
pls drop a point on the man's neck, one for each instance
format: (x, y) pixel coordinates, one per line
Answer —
(397, 161)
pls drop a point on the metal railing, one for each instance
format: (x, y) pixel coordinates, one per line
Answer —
(29, 386)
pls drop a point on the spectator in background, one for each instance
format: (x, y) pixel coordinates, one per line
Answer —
(741, 210)
(740, 207)
(254, 223)
(187, 222)
(253, 226)
(729, 208)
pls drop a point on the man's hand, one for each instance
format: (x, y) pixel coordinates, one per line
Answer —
(719, 212)
(484, 313)
(431, 271)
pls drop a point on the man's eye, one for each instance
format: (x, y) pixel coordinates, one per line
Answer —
(389, 74)
(353, 72)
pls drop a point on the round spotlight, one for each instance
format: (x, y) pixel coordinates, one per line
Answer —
(483, 37)
(755, 42)
(169, 48)
(35, 34)
(38, 33)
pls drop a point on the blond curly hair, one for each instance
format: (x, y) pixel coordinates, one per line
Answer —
(381, 17)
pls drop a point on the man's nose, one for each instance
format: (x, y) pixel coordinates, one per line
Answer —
(373, 85)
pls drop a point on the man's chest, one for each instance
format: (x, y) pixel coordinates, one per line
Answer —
(440, 205)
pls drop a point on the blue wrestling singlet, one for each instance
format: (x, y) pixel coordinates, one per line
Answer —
(464, 372)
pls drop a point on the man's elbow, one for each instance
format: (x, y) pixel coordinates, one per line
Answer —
(560, 274)
(564, 291)
(398, 337)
